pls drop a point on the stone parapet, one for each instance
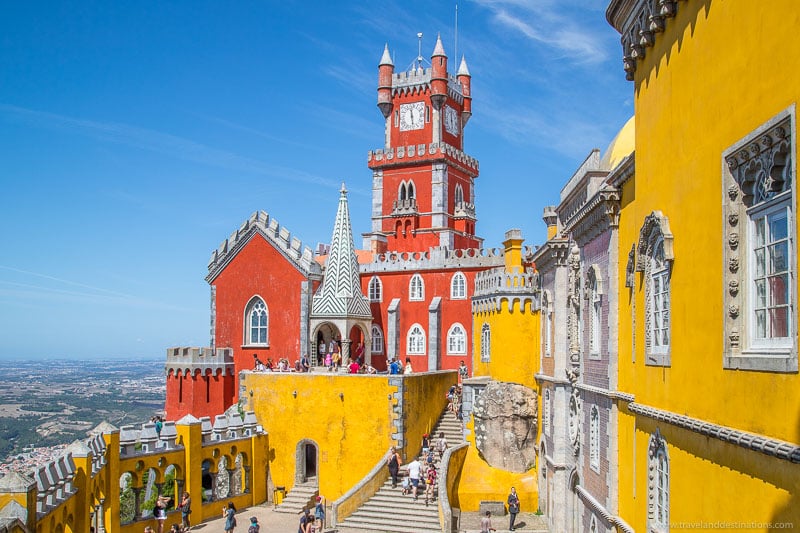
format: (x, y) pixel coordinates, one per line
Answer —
(188, 360)
(494, 286)
(423, 152)
(436, 258)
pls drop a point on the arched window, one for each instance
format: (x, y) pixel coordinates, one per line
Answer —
(547, 324)
(257, 322)
(458, 286)
(594, 311)
(377, 340)
(655, 259)
(415, 342)
(459, 195)
(375, 289)
(411, 194)
(416, 288)
(402, 194)
(457, 340)
(658, 485)
(594, 438)
(486, 343)
(547, 411)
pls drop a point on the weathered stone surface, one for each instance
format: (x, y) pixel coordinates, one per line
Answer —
(505, 426)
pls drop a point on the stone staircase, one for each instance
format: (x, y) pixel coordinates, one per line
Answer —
(302, 495)
(389, 511)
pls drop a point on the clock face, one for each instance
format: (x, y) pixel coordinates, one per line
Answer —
(412, 116)
(451, 123)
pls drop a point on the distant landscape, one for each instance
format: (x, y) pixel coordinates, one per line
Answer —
(47, 403)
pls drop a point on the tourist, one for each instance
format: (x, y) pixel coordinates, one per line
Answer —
(258, 366)
(430, 481)
(329, 361)
(337, 357)
(486, 523)
(186, 510)
(304, 364)
(321, 352)
(413, 472)
(451, 394)
(175, 528)
(147, 529)
(297, 366)
(319, 513)
(513, 508)
(408, 368)
(394, 463)
(354, 367)
(359, 353)
(426, 444)
(306, 521)
(369, 369)
(463, 371)
(441, 444)
(269, 365)
(254, 527)
(229, 514)
(160, 511)
(394, 366)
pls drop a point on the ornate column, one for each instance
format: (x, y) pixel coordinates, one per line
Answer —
(233, 487)
(137, 506)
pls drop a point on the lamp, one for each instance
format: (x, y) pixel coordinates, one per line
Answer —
(294, 393)
(341, 396)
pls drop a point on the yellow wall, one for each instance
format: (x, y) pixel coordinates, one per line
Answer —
(353, 433)
(718, 72)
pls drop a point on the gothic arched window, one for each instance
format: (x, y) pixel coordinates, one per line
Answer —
(594, 438)
(658, 485)
(655, 259)
(415, 342)
(416, 288)
(457, 340)
(547, 412)
(458, 286)
(459, 195)
(377, 340)
(257, 320)
(375, 289)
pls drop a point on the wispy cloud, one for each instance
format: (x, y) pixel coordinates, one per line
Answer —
(550, 24)
(164, 143)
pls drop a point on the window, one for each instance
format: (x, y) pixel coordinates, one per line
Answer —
(415, 343)
(547, 411)
(416, 288)
(759, 245)
(375, 289)
(594, 438)
(377, 340)
(457, 340)
(459, 195)
(257, 322)
(655, 259)
(547, 323)
(458, 286)
(595, 309)
(486, 343)
(658, 484)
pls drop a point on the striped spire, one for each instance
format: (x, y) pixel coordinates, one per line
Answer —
(340, 294)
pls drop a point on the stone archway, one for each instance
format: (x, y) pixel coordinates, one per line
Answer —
(324, 333)
(307, 462)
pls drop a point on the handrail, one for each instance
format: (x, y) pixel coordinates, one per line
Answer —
(445, 511)
(365, 489)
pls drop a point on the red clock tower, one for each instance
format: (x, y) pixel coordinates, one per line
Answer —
(423, 182)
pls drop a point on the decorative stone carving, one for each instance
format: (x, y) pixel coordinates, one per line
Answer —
(574, 304)
(733, 264)
(505, 426)
(733, 240)
(733, 192)
(574, 410)
(734, 338)
(733, 287)
(733, 310)
(630, 267)
(733, 219)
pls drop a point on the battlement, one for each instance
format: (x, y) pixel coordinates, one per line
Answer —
(260, 222)
(495, 285)
(420, 152)
(436, 258)
(419, 80)
(189, 360)
(54, 483)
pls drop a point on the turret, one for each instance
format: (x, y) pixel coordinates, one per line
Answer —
(385, 72)
(465, 80)
(438, 75)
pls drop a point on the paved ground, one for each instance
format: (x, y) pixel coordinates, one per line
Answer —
(272, 522)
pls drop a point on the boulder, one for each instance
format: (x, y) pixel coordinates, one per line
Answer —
(505, 426)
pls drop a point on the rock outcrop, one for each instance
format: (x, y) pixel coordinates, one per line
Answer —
(505, 426)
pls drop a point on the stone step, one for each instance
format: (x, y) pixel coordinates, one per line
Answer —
(298, 498)
(388, 523)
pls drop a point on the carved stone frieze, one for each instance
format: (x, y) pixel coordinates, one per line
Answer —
(733, 287)
(630, 267)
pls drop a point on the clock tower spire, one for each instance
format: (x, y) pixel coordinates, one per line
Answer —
(423, 182)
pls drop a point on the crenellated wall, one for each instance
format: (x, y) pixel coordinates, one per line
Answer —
(421, 152)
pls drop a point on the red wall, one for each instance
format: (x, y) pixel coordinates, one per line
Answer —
(190, 394)
(259, 269)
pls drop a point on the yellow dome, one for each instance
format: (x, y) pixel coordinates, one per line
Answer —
(621, 147)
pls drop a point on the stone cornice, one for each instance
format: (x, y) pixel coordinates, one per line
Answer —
(550, 379)
(595, 216)
(773, 447)
(552, 254)
(638, 22)
(623, 172)
(613, 394)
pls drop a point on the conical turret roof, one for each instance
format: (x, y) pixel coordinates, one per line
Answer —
(386, 58)
(438, 50)
(340, 294)
(463, 70)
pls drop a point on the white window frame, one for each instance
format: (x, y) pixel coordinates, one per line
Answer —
(416, 340)
(486, 343)
(459, 194)
(759, 179)
(255, 304)
(458, 286)
(375, 289)
(547, 324)
(457, 340)
(655, 259)
(416, 288)
(594, 438)
(376, 342)
(658, 484)
(594, 286)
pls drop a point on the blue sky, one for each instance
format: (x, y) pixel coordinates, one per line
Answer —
(136, 136)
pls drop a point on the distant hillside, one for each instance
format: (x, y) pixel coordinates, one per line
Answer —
(45, 403)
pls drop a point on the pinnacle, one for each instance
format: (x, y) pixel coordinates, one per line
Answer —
(386, 58)
(439, 48)
(463, 70)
